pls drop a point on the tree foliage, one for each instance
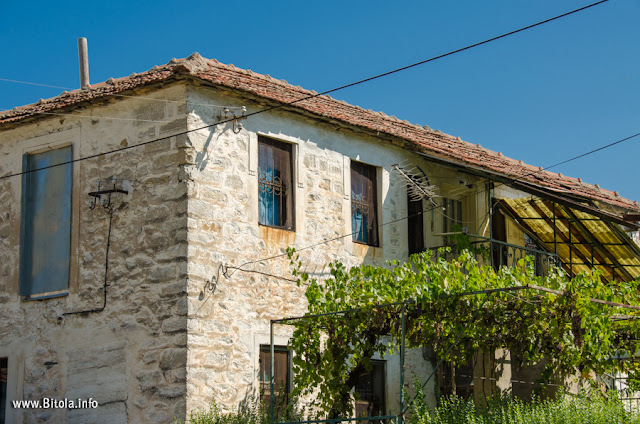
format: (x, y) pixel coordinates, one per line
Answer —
(570, 330)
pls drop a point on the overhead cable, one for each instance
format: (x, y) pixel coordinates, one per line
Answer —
(511, 181)
(311, 96)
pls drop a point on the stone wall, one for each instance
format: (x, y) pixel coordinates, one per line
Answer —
(227, 325)
(183, 325)
(131, 357)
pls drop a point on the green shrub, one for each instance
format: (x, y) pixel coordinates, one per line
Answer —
(582, 409)
(563, 410)
(254, 413)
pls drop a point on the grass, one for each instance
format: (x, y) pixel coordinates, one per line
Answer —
(563, 410)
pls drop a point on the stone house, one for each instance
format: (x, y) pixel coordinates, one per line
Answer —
(143, 222)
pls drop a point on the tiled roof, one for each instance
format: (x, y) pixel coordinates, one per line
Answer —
(423, 139)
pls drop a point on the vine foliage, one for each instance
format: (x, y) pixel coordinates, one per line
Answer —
(575, 334)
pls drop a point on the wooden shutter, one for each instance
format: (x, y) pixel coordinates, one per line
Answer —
(281, 374)
(364, 203)
(275, 183)
(45, 239)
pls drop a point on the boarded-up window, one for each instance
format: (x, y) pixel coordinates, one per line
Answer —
(364, 204)
(275, 183)
(46, 222)
(451, 219)
(281, 375)
(370, 392)
(4, 365)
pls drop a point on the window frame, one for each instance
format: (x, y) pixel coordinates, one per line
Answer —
(450, 218)
(361, 174)
(264, 350)
(268, 185)
(378, 376)
(26, 287)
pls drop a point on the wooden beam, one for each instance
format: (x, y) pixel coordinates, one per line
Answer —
(631, 217)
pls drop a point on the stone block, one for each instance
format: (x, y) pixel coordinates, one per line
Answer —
(173, 289)
(113, 413)
(149, 380)
(174, 325)
(149, 111)
(173, 127)
(162, 272)
(172, 391)
(173, 358)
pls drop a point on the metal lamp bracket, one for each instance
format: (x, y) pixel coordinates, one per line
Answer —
(106, 200)
(226, 113)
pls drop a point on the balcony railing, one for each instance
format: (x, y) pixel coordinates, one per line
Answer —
(498, 254)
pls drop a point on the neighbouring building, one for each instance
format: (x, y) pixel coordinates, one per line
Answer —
(127, 208)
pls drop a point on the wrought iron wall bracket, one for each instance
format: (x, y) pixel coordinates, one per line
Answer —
(106, 202)
(236, 118)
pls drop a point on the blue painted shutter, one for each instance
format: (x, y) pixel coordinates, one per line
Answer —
(46, 223)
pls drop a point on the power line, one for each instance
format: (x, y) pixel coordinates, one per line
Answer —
(109, 118)
(478, 193)
(116, 95)
(35, 83)
(489, 40)
(120, 149)
(311, 96)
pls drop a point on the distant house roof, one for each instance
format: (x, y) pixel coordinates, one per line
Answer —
(422, 139)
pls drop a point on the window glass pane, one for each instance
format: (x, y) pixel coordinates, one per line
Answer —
(275, 183)
(364, 213)
(46, 223)
(370, 391)
(456, 381)
(451, 219)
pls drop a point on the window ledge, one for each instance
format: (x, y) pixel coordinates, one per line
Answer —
(275, 227)
(44, 296)
(361, 243)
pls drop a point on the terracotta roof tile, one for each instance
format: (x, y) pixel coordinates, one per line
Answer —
(420, 138)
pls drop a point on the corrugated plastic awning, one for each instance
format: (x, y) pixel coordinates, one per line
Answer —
(583, 241)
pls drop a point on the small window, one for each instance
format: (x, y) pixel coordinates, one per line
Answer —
(370, 392)
(282, 380)
(4, 365)
(451, 219)
(275, 184)
(364, 204)
(456, 381)
(45, 222)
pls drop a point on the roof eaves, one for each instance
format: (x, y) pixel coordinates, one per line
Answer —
(414, 136)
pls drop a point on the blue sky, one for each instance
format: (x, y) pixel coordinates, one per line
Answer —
(542, 96)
